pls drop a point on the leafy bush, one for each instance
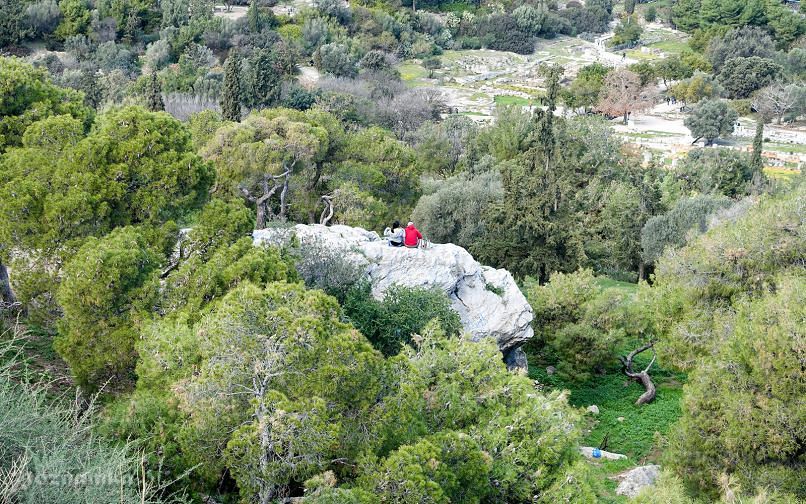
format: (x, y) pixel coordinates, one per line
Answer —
(326, 268)
(50, 453)
(742, 76)
(699, 288)
(578, 324)
(743, 411)
(718, 171)
(502, 33)
(390, 323)
(336, 59)
(670, 230)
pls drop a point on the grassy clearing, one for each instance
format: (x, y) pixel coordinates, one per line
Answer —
(671, 47)
(635, 431)
(411, 71)
(603, 470)
(640, 55)
(782, 173)
(785, 147)
(615, 396)
(625, 287)
(512, 100)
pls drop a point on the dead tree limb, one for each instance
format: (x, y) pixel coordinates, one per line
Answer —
(642, 376)
(327, 212)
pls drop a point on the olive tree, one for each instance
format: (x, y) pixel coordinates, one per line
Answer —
(710, 120)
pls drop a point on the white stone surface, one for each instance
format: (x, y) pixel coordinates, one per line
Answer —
(635, 480)
(593, 409)
(487, 300)
(588, 452)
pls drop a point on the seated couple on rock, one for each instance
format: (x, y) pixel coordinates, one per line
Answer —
(400, 237)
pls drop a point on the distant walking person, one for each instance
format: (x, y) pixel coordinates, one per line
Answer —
(413, 236)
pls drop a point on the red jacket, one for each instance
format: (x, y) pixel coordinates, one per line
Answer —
(413, 236)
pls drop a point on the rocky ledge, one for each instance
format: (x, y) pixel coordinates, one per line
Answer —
(487, 300)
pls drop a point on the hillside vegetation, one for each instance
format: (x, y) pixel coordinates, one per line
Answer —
(151, 351)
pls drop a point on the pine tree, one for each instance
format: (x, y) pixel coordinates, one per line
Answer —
(231, 93)
(154, 96)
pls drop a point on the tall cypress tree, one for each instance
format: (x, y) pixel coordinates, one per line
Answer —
(154, 94)
(546, 135)
(266, 83)
(231, 93)
(755, 160)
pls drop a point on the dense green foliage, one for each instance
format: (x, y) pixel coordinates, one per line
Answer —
(27, 95)
(699, 288)
(710, 120)
(688, 216)
(576, 322)
(330, 398)
(706, 15)
(744, 408)
(563, 196)
(108, 283)
(264, 374)
(390, 323)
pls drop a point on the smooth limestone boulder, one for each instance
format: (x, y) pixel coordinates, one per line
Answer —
(487, 300)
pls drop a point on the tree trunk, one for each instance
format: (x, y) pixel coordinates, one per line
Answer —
(641, 271)
(642, 376)
(283, 203)
(6, 294)
(625, 117)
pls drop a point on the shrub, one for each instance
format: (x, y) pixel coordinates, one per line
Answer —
(699, 288)
(577, 322)
(748, 400)
(403, 312)
(503, 34)
(335, 59)
(326, 268)
(718, 171)
(670, 230)
(51, 453)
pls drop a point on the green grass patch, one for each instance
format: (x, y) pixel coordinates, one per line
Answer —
(512, 100)
(615, 395)
(606, 488)
(785, 147)
(671, 46)
(781, 173)
(625, 287)
(640, 55)
(411, 71)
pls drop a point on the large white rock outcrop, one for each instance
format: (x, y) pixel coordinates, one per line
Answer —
(487, 300)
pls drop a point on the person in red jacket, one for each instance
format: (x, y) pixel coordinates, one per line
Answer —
(413, 236)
